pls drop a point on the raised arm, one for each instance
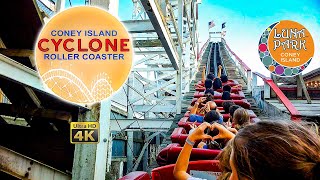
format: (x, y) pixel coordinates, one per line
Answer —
(195, 107)
(180, 169)
(219, 71)
(203, 74)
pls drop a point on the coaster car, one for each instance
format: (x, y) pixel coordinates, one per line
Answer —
(169, 154)
(233, 90)
(243, 102)
(203, 167)
(235, 96)
(186, 124)
(229, 82)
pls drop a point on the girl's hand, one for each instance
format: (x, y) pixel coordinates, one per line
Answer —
(220, 67)
(224, 133)
(201, 99)
(228, 124)
(201, 144)
(199, 134)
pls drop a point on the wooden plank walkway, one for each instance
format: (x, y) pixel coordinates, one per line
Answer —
(306, 110)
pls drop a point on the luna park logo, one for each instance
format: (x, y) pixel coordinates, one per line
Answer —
(286, 48)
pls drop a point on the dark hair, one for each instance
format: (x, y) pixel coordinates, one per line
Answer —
(209, 91)
(232, 109)
(224, 78)
(217, 84)
(227, 88)
(208, 83)
(226, 105)
(226, 95)
(209, 97)
(276, 150)
(241, 118)
(211, 117)
(210, 76)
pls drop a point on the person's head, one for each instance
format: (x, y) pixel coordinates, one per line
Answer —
(226, 105)
(241, 118)
(209, 97)
(224, 162)
(212, 116)
(275, 150)
(226, 95)
(224, 78)
(227, 88)
(208, 83)
(209, 91)
(232, 109)
(217, 84)
(210, 76)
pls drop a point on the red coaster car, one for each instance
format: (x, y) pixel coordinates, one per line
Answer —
(205, 169)
(179, 135)
(137, 175)
(243, 102)
(229, 82)
(233, 90)
(234, 96)
(184, 122)
(225, 116)
(169, 154)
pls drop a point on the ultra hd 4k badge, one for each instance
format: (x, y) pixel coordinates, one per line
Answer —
(84, 54)
(286, 48)
(84, 132)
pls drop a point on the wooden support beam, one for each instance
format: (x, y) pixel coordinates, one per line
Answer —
(154, 108)
(103, 147)
(85, 154)
(33, 96)
(304, 88)
(160, 25)
(147, 43)
(274, 78)
(139, 26)
(161, 124)
(23, 167)
(17, 52)
(12, 110)
(299, 88)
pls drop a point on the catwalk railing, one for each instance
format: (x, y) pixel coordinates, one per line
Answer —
(270, 85)
(202, 50)
(242, 66)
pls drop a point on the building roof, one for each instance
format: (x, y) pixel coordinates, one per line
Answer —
(311, 74)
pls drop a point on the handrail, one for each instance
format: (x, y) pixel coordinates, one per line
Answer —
(202, 49)
(208, 60)
(215, 68)
(244, 70)
(295, 114)
(222, 62)
(246, 67)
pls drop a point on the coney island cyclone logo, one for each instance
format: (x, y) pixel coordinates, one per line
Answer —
(84, 54)
(286, 48)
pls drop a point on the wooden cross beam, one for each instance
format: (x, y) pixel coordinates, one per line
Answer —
(12, 110)
(17, 52)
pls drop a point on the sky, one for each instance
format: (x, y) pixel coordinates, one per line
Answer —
(246, 20)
